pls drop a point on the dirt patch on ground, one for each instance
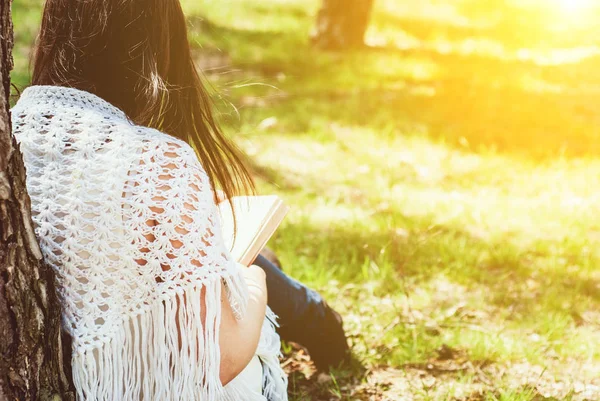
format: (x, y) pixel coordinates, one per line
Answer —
(450, 375)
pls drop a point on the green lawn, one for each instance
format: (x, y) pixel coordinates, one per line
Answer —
(444, 185)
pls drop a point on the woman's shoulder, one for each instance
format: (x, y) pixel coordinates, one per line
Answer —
(160, 147)
(74, 111)
(165, 159)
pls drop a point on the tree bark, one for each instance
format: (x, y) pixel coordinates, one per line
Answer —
(35, 355)
(342, 24)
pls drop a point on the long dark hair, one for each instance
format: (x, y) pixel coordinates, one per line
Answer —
(135, 54)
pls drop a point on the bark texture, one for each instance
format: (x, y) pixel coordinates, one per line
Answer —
(32, 348)
(342, 24)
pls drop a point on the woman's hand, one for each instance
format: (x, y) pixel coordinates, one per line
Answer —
(257, 281)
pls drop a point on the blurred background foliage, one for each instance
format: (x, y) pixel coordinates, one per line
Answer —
(442, 168)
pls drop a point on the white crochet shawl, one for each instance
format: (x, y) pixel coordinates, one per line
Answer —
(96, 182)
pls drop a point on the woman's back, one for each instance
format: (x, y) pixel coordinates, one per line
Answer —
(125, 216)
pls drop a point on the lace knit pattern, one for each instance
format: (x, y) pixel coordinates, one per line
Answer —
(125, 215)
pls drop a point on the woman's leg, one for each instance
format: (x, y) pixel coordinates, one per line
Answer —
(305, 317)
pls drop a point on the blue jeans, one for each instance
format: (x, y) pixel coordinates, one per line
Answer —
(304, 317)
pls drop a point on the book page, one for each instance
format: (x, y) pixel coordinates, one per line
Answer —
(257, 219)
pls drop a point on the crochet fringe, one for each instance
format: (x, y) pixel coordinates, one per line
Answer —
(150, 358)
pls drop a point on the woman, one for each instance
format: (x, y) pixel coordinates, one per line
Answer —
(125, 211)
(125, 215)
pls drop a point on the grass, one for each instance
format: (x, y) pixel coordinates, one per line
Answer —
(443, 183)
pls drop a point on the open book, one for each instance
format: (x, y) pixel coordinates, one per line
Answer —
(257, 219)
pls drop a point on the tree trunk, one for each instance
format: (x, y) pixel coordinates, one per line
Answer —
(35, 356)
(342, 24)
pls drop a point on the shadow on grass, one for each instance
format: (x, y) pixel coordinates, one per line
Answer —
(506, 105)
(506, 120)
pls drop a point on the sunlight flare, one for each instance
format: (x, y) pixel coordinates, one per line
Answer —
(574, 6)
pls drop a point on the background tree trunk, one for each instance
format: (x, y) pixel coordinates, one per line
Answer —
(32, 350)
(342, 24)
